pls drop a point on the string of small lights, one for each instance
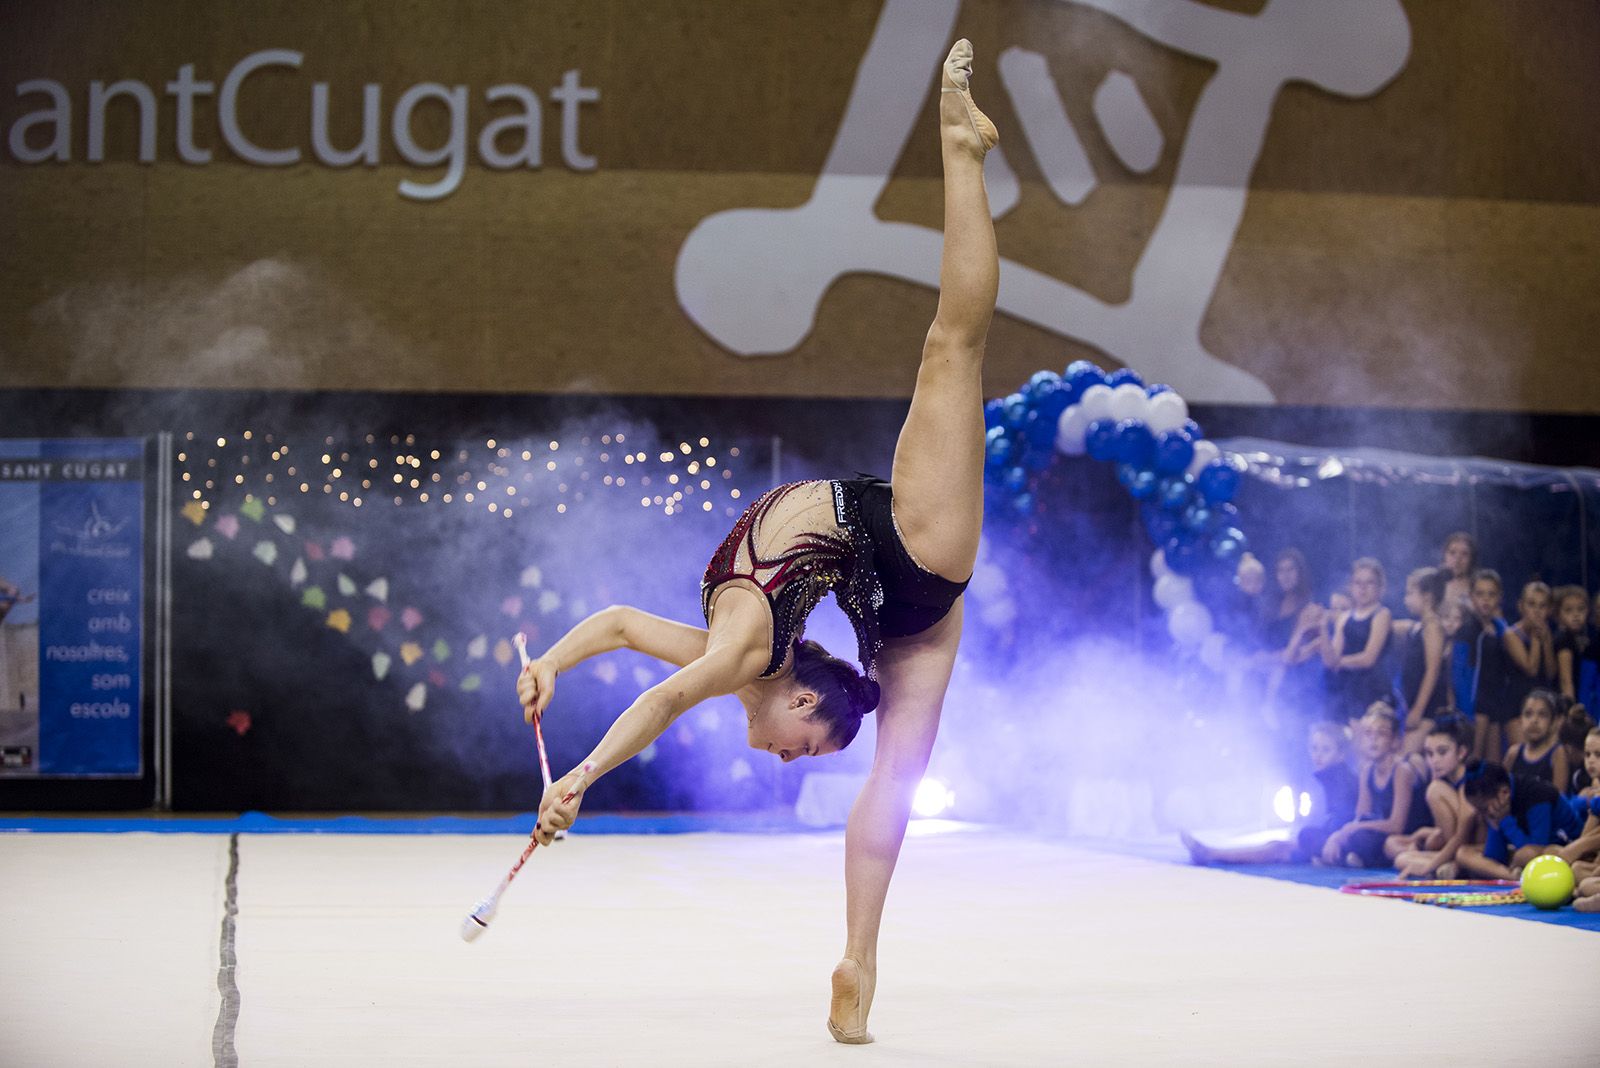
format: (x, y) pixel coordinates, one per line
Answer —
(504, 478)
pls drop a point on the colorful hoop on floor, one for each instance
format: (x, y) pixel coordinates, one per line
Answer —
(1462, 893)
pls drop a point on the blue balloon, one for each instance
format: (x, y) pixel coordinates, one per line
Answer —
(1197, 517)
(1160, 525)
(1016, 411)
(1039, 431)
(997, 447)
(1135, 444)
(1083, 369)
(1218, 481)
(1100, 439)
(1015, 479)
(1052, 404)
(1142, 484)
(1174, 451)
(1181, 556)
(1159, 387)
(1042, 382)
(1079, 376)
(993, 413)
(1123, 376)
(1193, 430)
(1174, 492)
(1228, 545)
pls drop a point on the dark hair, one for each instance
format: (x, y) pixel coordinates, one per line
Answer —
(1483, 780)
(1300, 595)
(1453, 725)
(1551, 701)
(1430, 582)
(1472, 548)
(1489, 574)
(1577, 726)
(844, 695)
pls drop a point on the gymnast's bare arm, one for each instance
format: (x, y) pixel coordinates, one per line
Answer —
(736, 653)
(617, 627)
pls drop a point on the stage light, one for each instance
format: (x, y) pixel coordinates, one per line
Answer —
(1283, 804)
(1305, 804)
(932, 798)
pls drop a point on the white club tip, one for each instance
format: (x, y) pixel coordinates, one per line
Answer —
(472, 927)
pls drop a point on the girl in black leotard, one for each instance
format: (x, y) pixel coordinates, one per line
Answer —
(1353, 651)
(1532, 651)
(1420, 644)
(1391, 802)
(1540, 754)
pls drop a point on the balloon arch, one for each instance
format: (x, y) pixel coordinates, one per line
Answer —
(1184, 484)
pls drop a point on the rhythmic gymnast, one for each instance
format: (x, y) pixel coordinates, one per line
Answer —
(897, 556)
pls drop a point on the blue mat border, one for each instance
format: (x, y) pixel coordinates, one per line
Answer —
(265, 823)
(777, 822)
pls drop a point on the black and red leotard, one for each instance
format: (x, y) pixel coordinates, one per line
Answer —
(879, 586)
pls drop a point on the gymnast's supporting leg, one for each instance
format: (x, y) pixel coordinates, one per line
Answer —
(938, 503)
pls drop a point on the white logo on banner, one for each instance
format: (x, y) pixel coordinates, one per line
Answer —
(752, 278)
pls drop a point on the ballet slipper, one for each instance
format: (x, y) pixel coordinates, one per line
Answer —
(847, 1005)
(957, 75)
(1586, 904)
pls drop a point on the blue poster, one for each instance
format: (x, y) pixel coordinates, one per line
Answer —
(71, 607)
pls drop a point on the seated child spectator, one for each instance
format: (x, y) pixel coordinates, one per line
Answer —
(1333, 805)
(1524, 819)
(1420, 640)
(1391, 801)
(1532, 651)
(1587, 772)
(1576, 674)
(1431, 851)
(1484, 691)
(1353, 648)
(1584, 854)
(1540, 754)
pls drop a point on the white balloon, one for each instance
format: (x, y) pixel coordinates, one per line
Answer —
(1158, 564)
(1096, 403)
(1204, 453)
(1129, 402)
(1214, 651)
(1172, 590)
(1070, 429)
(1189, 623)
(1167, 412)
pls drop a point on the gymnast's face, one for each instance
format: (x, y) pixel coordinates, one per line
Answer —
(778, 724)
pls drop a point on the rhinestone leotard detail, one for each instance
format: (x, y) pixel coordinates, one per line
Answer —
(796, 576)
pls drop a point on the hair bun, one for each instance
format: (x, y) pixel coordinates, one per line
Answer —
(867, 695)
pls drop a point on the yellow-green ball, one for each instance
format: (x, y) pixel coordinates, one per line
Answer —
(1547, 881)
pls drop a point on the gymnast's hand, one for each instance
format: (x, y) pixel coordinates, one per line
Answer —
(555, 813)
(535, 686)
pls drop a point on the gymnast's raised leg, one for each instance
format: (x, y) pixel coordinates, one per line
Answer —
(937, 485)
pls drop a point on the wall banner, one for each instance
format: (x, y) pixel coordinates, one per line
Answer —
(71, 607)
